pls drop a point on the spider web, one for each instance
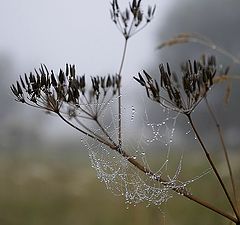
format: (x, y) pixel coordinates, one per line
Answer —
(140, 137)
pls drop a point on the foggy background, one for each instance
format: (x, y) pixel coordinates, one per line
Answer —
(81, 33)
(55, 33)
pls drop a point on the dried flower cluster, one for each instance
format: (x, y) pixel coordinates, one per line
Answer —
(47, 91)
(132, 19)
(197, 78)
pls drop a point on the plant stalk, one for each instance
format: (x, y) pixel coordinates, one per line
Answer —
(119, 95)
(220, 132)
(213, 166)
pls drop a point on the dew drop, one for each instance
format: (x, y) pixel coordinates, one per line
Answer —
(133, 113)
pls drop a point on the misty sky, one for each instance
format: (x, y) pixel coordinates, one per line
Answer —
(55, 32)
(74, 31)
(70, 31)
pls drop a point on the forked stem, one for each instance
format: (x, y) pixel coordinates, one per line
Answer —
(220, 133)
(99, 139)
(213, 166)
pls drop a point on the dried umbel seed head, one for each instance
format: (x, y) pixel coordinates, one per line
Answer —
(132, 19)
(101, 85)
(197, 78)
(46, 90)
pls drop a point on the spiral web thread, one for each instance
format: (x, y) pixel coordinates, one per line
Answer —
(121, 177)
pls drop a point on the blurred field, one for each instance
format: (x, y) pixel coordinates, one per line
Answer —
(59, 187)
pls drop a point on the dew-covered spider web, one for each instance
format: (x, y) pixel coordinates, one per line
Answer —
(148, 142)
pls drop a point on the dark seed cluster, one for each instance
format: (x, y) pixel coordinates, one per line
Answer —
(197, 78)
(44, 89)
(132, 19)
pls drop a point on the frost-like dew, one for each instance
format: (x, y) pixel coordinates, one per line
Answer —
(118, 174)
(133, 113)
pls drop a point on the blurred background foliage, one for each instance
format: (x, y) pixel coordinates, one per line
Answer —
(47, 179)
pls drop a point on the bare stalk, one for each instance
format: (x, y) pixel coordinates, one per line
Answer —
(213, 166)
(99, 139)
(220, 133)
(105, 132)
(119, 95)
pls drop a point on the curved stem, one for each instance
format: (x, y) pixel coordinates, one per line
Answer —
(213, 166)
(224, 150)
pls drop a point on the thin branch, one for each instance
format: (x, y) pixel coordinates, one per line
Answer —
(119, 95)
(200, 39)
(220, 132)
(87, 134)
(213, 166)
(105, 132)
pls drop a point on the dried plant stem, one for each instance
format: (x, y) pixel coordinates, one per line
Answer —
(99, 139)
(119, 95)
(213, 167)
(184, 193)
(220, 132)
(209, 43)
(105, 132)
(200, 39)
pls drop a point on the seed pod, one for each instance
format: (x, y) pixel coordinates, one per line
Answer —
(109, 82)
(54, 82)
(195, 67)
(168, 70)
(22, 83)
(67, 70)
(14, 90)
(140, 80)
(149, 78)
(61, 77)
(43, 80)
(19, 89)
(26, 80)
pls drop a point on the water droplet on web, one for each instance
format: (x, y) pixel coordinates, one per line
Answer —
(188, 132)
(133, 113)
(121, 178)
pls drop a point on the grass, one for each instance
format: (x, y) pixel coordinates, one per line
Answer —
(60, 188)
